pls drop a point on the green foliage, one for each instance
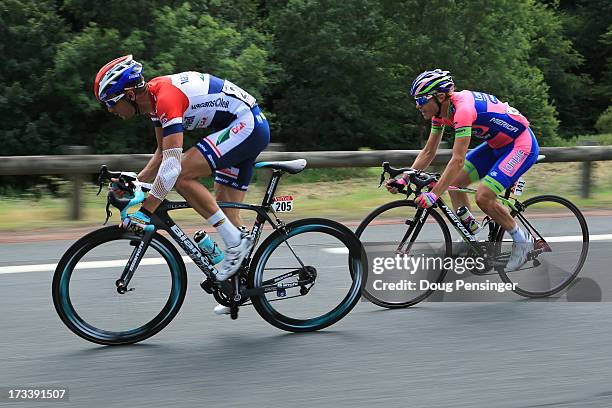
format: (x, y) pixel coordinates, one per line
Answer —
(29, 33)
(604, 122)
(332, 75)
(334, 90)
(587, 23)
(487, 46)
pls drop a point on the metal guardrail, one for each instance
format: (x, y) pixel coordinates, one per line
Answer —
(90, 164)
(77, 165)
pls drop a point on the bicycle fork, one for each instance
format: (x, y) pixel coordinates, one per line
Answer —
(135, 258)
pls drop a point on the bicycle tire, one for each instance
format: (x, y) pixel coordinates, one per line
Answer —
(447, 242)
(583, 254)
(356, 265)
(69, 315)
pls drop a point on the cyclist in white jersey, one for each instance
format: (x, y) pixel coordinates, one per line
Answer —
(187, 101)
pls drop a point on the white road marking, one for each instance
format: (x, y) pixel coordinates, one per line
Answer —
(83, 265)
(4, 270)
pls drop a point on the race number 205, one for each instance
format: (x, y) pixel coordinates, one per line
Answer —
(282, 203)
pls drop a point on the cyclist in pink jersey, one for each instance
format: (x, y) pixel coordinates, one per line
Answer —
(508, 150)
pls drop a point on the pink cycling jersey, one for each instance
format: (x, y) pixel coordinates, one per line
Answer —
(483, 116)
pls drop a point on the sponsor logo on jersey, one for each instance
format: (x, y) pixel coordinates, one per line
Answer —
(494, 173)
(188, 121)
(504, 124)
(184, 78)
(217, 103)
(514, 161)
(223, 137)
(238, 127)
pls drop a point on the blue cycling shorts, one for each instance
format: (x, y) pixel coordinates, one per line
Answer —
(232, 151)
(501, 167)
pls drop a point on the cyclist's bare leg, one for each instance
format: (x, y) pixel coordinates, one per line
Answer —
(458, 198)
(227, 193)
(194, 166)
(486, 199)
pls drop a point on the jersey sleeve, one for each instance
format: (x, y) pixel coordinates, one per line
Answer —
(465, 115)
(171, 105)
(437, 125)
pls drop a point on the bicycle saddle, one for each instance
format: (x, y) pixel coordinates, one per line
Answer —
(290, 166)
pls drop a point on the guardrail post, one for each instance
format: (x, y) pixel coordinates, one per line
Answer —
(587, 167)
(74, 209)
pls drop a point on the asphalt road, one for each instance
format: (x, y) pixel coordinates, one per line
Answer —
(510, 353)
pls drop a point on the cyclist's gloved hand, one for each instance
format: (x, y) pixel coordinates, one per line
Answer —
(125, 191)
(426, 200)
(137, 222)
(391, 184)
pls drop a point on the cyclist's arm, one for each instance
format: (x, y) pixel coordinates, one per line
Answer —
(426, 156)
(454, 166)
(148, 173)
(169, 170)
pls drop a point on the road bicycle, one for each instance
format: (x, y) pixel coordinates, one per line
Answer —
(401, 228)
(116, 287)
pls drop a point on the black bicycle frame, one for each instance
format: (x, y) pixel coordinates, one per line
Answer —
(162, 221)
(421, 216)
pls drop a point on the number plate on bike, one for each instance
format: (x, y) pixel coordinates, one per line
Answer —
(282, 204)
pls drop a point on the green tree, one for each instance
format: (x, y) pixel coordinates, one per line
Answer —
(486, 45)
(180, 40)
(335, 90)
(29, 33)
(553, 52)
(587, 22)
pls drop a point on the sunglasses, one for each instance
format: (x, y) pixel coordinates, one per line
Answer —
(422, 100)
(110, 102)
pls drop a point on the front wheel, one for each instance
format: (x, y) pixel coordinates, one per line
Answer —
(560, 248)
(85, 291)
(304, 270)
(390, 230)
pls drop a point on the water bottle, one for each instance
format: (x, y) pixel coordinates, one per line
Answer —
(468, 220)
(208, 247)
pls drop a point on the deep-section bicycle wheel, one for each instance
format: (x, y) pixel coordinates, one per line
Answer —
(403, 285)
(561, 246)
(327, 254)
(86, 298)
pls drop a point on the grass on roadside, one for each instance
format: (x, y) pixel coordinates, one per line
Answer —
(341, 194)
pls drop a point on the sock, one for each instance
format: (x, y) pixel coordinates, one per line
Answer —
(517, 234)
(229, 233)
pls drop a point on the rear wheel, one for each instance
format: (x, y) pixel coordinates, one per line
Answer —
(313, 251)
(560, 249)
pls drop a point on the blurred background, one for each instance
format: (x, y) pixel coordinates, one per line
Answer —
(330, 76)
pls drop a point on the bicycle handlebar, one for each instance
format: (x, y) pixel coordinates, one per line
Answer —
(419, 178)
(126, 181)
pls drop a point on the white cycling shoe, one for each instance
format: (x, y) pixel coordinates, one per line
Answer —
(234, 257)
(221, 310)
(518, 256)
